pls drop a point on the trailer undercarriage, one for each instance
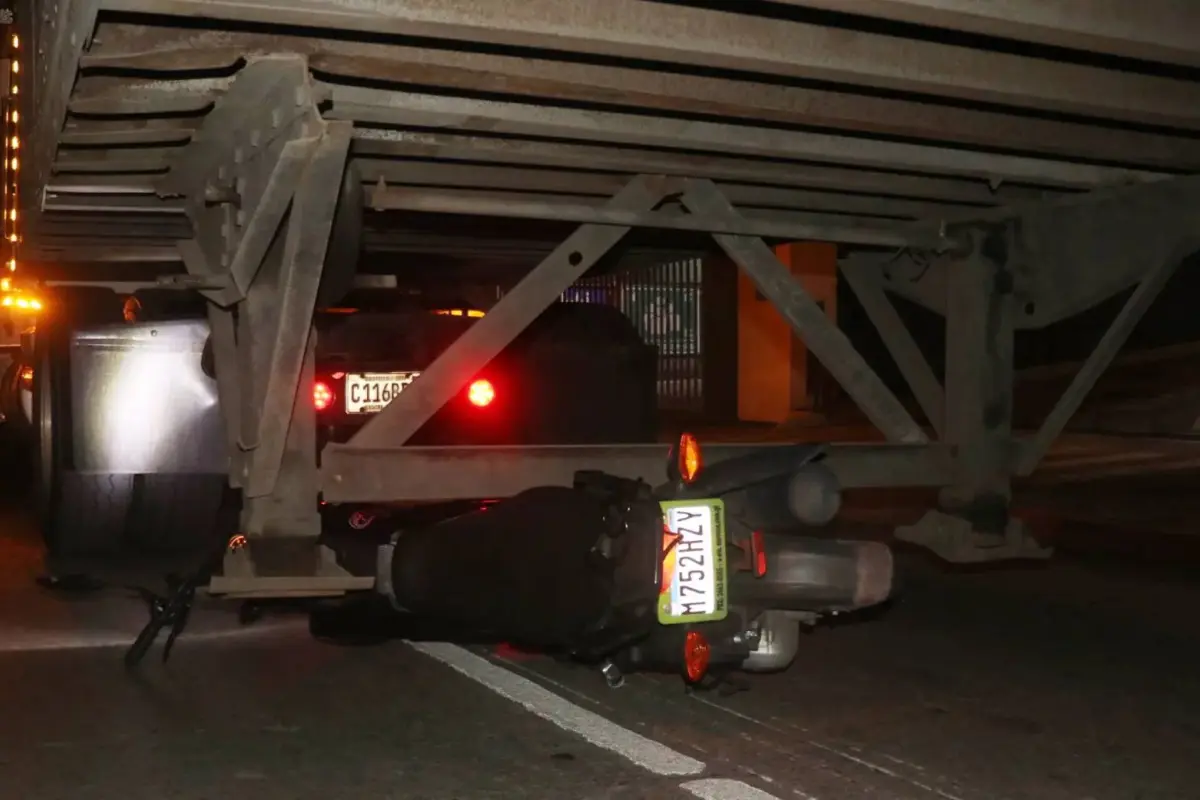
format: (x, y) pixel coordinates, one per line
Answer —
(247, 150)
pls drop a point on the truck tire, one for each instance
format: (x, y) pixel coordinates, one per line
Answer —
(179, 513)
(79, 514)
(88, 515)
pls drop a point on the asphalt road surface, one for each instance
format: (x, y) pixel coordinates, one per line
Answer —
(1069, 682)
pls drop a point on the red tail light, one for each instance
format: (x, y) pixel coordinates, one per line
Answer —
(696, 654)
(481, 393)
(758, 549)
(322, 396)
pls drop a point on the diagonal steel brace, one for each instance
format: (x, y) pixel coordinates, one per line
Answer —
(471, 352)
(864, 274)
(807, 318)
(1031, 452)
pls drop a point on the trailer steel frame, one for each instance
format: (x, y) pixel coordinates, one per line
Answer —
(225, 149)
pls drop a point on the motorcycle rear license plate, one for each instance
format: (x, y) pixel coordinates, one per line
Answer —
(694, 582)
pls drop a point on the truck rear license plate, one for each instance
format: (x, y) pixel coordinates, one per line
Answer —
(694, 584)
(370, 392)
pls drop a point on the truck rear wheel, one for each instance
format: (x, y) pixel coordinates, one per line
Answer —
(79, 514)
(179, 513)
(85, 516)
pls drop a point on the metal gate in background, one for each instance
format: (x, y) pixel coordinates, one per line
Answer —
(663, 302)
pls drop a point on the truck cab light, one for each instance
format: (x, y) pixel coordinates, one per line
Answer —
(22, 303)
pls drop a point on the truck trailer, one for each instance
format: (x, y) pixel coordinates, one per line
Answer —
(268, 157)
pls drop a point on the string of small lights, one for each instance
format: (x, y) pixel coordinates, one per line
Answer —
(12, 162)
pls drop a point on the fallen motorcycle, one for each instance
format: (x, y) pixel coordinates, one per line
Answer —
(614, 572)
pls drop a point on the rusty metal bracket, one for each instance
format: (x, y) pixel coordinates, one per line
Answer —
(242, 169)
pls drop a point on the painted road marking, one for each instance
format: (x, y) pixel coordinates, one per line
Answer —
(840, 753)
(725, 789)
(121, 633)
(646, 753)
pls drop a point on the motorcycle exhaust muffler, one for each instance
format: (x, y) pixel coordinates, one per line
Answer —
(818, 575)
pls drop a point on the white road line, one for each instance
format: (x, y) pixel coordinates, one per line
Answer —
(862, 762)
(882, 770)
(646, 753)
(725, 789)
(24, 640)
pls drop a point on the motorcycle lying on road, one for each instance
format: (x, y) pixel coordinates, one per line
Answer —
(614, 572)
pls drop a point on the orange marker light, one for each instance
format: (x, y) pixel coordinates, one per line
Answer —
(690, 461)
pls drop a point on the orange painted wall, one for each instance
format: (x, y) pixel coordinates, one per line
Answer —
(772, 361)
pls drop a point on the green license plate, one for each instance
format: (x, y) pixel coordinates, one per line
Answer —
(694, 585)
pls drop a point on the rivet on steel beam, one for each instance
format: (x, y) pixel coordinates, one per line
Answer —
(378, 194)
(222, 194)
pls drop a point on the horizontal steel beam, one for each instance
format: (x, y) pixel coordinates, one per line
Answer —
(709, 39)
(131, 165)
(123, 203)
(101, 185)
(374, 149)
(568, 209)
(1153, 30)
(411, 474)
(494, 118)
(131, 137)
(109, 97)
(73, 256)
(166, 50)
(187, 283)
(601, 184)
